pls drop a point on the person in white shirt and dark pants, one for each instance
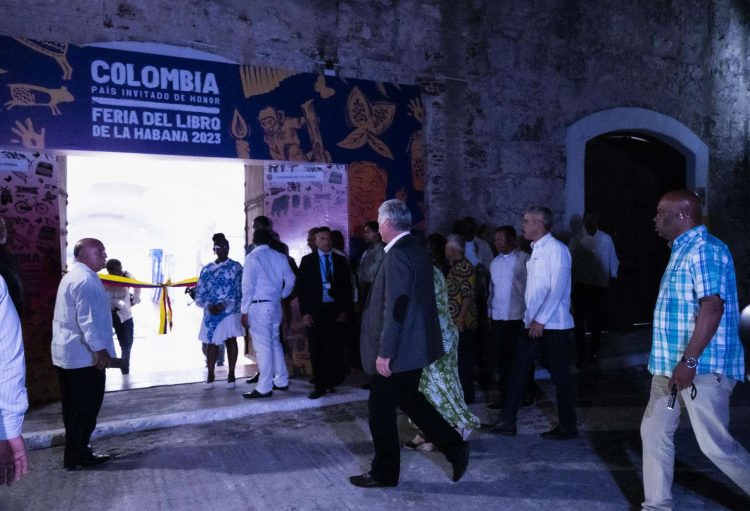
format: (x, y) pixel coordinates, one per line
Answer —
(121, 301)
(267, 279)
(595, 265)
(81, 350)
(548, 322)
(506, 307)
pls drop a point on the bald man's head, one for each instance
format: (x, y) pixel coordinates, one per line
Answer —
(688, 202)
(90, 251)
(677, 212)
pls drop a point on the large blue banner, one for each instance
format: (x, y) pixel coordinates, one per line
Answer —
(57, 96)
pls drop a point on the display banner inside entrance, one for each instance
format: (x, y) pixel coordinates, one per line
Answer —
(299, 197)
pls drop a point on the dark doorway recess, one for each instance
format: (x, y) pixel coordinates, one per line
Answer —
(625, 175)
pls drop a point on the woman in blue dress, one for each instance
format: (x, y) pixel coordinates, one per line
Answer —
(219, 293)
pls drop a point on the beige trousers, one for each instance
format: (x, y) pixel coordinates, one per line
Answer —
(709, 417)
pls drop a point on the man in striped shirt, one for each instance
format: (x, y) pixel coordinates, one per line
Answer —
(14, 462)
(696, 352)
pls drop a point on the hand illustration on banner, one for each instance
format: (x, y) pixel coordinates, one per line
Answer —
(369, 121)
(26, 94)
(416, 110)
(28, 137)
(57, 51)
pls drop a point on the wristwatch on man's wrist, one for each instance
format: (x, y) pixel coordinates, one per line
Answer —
(690, 362)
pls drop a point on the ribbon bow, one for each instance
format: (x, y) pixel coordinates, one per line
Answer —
(165, 304)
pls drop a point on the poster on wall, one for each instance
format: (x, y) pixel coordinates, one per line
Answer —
(29, 203)
(302, 196)
(57, 96)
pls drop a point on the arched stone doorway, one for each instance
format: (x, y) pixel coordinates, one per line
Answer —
(620, 161)
(636, 120)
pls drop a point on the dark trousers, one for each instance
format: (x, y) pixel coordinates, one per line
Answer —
(507, 336)
(327, 349)
(589, 308)
(554, 348)
(467, 341)
(81, 394)
(124, 333)
(401, 390)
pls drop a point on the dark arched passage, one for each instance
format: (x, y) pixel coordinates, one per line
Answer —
(625, 174)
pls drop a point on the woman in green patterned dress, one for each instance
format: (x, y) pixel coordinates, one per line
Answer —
(439, 382)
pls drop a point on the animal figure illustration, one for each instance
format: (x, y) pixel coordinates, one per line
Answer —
(57, 51)
(25, 94)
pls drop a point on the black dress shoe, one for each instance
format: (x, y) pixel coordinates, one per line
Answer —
(461, 463)
(71, 466)
(89, 459)
(315, 394)
(256, 395)
(504, 428)
(367, 481)
(93, 458)
(557, 433)
(283, 389)
(254, 379)
(496, 406)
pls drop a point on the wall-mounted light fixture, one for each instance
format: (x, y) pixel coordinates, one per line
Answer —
(329, 67)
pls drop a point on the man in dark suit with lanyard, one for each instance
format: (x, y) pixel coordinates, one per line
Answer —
(324, 288)
(400, 336)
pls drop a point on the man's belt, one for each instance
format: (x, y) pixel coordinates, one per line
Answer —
(259, 301)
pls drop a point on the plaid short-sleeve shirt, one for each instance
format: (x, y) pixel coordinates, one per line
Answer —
(700, 266)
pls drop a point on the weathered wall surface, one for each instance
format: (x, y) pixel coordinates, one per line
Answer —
(502, 79)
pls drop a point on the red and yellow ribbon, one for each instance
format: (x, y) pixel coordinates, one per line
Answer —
(165, 304)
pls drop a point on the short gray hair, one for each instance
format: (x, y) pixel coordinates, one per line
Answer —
(457, 241)
(545, 213)
(396, 213)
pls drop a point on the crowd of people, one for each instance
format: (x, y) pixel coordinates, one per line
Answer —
(435, 316)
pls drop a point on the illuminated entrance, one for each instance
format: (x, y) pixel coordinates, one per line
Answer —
(157, 215)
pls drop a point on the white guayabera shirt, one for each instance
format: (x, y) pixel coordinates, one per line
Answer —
(548, 285)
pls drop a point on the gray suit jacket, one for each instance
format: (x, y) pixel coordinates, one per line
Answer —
(400, 320)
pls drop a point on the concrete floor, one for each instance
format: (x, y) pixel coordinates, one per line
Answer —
(184, 448)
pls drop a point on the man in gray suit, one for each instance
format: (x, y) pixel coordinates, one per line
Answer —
(401, 335)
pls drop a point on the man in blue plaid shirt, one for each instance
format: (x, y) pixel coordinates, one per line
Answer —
(696, 351)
